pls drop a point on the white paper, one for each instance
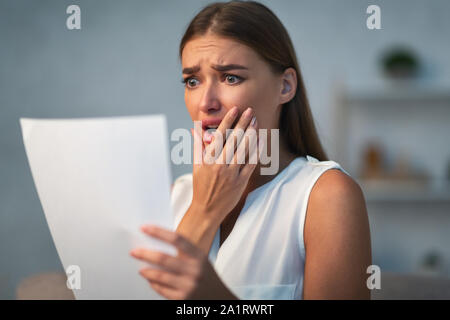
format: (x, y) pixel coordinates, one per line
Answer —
(99, 180)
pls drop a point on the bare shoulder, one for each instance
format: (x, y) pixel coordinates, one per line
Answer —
(334, 182)
(337, 238)
(335, 201)
(335, 197)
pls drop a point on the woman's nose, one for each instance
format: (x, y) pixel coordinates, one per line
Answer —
(210, 100)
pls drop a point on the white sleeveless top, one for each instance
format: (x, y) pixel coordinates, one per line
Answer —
(264, 255)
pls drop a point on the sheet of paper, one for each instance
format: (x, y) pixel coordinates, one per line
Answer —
(99, 180)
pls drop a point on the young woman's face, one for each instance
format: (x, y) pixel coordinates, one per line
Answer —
(220, 73)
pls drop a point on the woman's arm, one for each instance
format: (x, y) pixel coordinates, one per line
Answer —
(199, 227)
(337, 240)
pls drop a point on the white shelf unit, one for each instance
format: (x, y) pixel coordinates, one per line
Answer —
(400, 95)
(405, 119)
(380, 192)
(409, 220)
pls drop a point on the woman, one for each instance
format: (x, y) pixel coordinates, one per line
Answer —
(302, 232)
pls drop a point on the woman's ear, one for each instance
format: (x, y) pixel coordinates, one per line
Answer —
(289, 85)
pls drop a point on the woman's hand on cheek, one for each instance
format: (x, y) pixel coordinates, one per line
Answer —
(189, 275)
(221, 173)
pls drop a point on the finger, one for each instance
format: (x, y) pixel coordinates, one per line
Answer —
(213, 149)
(173, 238)
(221, 131)
(248, 168)
(168, 262)
(164, 278)
(199, 145)
(246, 147)
(165, 291)
(235, 137)
(227, 122)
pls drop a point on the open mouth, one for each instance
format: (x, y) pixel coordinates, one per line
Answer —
(210, 127)
(206, 126)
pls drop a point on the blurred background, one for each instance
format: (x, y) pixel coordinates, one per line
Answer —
(380, 99)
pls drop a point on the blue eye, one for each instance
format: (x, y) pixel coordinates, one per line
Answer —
(231, 77)
(188, 82)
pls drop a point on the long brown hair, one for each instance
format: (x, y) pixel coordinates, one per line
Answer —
(256, 26)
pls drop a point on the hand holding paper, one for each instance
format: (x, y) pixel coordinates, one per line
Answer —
(99, 180)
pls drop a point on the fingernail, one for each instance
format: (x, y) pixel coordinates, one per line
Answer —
(207, 136)
(234, 111)
(248, 112)
(253, 122)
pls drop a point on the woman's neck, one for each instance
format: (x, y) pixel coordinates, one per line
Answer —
(257, 179)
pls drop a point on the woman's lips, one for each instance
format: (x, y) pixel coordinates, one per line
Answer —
(208, 132)
(210, 122)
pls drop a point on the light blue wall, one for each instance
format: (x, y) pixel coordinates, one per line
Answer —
(124, 62)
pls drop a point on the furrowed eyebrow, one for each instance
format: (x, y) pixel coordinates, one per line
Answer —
(228, 67)
(216, 67)
(191, 70)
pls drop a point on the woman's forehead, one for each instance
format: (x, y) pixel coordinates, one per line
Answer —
(212, 50)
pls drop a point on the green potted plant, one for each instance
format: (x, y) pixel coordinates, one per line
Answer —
(400, 63)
